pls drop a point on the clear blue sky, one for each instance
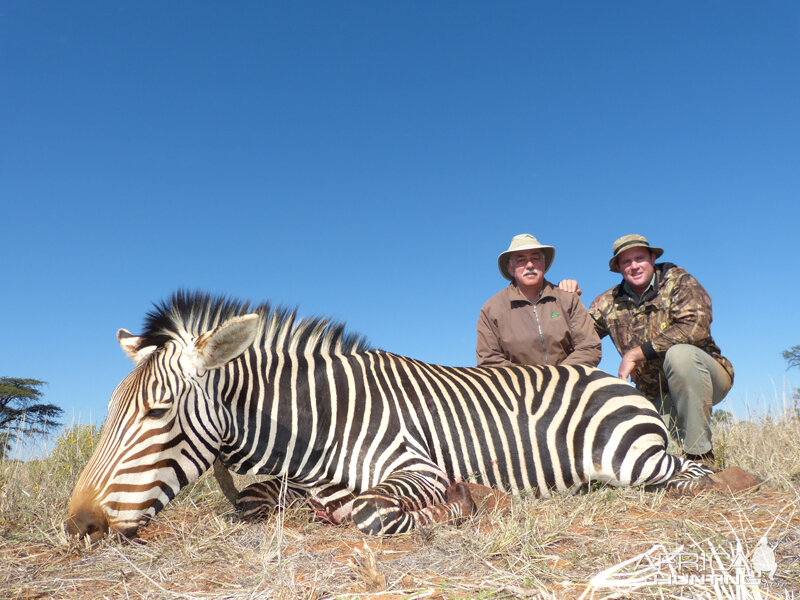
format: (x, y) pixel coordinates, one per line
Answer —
(369, 161)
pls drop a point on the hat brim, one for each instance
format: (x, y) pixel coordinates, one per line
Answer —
(502, 260)
(614, 267)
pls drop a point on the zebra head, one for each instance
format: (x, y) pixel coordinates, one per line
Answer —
(164, 427)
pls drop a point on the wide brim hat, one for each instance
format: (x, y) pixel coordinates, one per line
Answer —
(626, 242)
(524, 241)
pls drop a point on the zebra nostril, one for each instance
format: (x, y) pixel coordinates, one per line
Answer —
(87, 522)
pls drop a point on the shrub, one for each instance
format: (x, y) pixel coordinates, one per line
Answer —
(73, 449)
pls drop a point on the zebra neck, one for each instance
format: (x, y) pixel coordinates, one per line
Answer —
(282, 422)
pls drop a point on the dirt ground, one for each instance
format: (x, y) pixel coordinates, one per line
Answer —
(515, 548)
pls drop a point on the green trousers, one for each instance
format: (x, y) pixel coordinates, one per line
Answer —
(696, 382)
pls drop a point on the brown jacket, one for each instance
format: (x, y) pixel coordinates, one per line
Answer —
(676, 310)
(556, 330)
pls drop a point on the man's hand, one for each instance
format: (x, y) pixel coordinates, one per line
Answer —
(630, 360)
(570, 285)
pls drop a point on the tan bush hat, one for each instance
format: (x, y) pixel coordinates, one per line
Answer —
(626, 242)
(524, 241)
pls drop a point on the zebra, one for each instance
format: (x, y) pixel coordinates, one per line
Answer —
(365, 435)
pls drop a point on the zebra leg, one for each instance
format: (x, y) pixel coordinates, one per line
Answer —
(410, 499)
(694, 478)
(690, 478)
(258, 500)
(225, 482)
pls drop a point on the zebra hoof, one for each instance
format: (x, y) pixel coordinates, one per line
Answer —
(733, 479)
(458, 493)
(488, 499)
(225, 482)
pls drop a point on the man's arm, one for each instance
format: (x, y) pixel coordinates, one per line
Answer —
(488, 351)
(689, 319)
(599, 319)
(587, 348)
(633, 357)
(630, 360)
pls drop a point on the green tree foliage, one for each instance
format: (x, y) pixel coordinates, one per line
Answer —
(722, 417)
(792, 356)
(21, 411)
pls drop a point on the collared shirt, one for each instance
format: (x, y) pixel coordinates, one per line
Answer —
(649, 292)
(554, 330)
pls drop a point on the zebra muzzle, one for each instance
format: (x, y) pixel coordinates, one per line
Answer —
(90, 522)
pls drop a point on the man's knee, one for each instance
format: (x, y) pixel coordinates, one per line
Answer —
(682, 352)
(683, 359)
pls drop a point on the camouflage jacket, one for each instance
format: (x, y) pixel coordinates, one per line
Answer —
(675, 310)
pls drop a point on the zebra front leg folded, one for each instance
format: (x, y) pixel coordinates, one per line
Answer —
(408, 500)
(259, 500)
(694, 478)
(690, 478)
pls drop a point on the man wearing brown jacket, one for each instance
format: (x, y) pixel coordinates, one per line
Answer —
(659, 318)
(533, 322)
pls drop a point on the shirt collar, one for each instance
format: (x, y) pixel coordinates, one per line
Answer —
(649, 292)
(515, 296)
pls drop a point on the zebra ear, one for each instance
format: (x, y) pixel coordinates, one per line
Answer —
(226, 342)
(130, 344)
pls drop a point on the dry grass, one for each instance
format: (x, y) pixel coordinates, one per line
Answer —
(563, 547)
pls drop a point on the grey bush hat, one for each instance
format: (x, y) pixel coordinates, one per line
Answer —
(626, 242)
(524, 241)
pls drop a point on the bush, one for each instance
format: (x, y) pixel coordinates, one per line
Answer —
(74, 448)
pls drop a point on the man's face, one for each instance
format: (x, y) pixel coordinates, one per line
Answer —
(527, 267)
(637, 266)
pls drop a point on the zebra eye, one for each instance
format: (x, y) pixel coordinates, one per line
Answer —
(155, 413)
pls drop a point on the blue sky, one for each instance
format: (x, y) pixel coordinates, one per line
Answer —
(368, 161)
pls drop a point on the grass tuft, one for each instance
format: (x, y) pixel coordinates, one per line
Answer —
(595, 545)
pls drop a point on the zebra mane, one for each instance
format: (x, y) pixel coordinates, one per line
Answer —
(187, 314)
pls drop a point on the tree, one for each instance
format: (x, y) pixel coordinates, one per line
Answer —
(792, 356)
(722, 417)
(22, 413)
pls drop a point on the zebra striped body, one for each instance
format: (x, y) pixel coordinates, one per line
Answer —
(364, 433)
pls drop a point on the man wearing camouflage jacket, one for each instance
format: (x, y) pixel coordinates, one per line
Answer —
(659, 318)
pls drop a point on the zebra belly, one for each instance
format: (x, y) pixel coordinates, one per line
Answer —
(620, 440)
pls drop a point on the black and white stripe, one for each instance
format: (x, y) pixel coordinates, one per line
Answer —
(365, 434)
